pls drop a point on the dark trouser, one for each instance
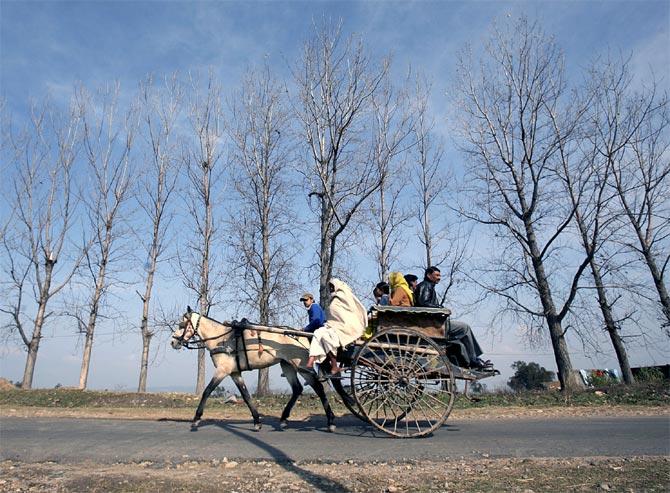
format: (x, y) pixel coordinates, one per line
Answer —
(460, 333)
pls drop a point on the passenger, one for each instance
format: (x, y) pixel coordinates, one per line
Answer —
(425, 294)
(346, 321)
(381, 293)
(401, 294)
(459, 332)
(412, 281)
(314, 313)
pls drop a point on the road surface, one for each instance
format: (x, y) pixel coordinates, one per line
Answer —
(107, 441)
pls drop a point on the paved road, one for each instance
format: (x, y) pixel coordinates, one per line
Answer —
(72, 440)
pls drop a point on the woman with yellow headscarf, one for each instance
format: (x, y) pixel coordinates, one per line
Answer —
(401, 294)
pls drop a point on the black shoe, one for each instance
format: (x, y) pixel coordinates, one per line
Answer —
(480, 364)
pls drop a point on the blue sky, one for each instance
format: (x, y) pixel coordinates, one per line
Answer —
(47, 47)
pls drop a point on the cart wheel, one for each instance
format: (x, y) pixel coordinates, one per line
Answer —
(403, 383)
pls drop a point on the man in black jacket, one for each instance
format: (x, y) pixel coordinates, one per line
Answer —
(459, 332)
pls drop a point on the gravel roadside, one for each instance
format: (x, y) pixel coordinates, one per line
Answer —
(648, 474)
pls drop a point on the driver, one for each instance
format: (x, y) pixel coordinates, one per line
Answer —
(346, 322)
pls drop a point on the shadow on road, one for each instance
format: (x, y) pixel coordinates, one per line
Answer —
(318, 482)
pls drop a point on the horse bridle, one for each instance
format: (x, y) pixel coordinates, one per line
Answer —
(199, 342)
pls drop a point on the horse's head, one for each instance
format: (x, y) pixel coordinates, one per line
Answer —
(186, 329)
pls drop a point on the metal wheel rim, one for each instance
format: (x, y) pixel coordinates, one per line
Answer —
(402, 382)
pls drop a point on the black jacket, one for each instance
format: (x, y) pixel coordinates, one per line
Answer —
(425, 295)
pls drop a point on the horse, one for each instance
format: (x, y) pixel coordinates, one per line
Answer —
(235, 348)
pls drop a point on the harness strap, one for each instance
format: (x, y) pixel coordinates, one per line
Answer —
(239, 335)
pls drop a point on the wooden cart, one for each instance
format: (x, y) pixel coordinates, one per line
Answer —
(401, 377)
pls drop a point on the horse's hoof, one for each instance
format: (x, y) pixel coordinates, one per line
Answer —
(331, 428)
(283, 425)
(195, 424)
(257, 427)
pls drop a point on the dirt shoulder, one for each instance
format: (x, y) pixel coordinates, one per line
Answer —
(240, 411)
(648, 474)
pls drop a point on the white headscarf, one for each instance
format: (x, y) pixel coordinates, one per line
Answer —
(346, 313)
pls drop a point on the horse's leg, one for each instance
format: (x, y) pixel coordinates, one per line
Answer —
(219, 375)
(312, 380)
(292, 377)
(241, 386)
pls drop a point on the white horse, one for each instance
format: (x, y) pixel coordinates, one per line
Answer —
(235, 348)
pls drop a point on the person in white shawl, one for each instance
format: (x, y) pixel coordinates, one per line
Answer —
(346, 320)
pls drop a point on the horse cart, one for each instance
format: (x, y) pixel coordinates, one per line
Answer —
(399, 377)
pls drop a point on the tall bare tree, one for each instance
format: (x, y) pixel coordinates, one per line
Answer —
(429, 179)
(391, 140)
(262, 218)
(39, 258)
(611, 125)
(444, 241)
(512, 107)
(108, 137)
(199, 263)
(336, 83)
(160, 109)
(642, 181)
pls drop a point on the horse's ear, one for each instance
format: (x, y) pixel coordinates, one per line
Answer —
(188, 309)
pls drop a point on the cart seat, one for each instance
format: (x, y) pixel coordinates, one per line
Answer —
(430, 322)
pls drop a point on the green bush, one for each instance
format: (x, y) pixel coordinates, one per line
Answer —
(529, 376)
(649, 375)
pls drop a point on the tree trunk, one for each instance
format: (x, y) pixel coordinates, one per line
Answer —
(144, 362)
(144, 324)
(200, 379)
(658, 282)
(263, 387)
(325, 255)
(566, 375)
(29, 370)
(610, 326)
(384, 266)
(86, 357)
(92, 320)
(90, 330)
(204, 309)
(33, 347)
(427, 239)
(603, 302)
(146, 340)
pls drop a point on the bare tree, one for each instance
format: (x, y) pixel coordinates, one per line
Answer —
(512, 108)
(391, 139)
(444, 242)
(262, 218)
(198, 260)
(611, 127)
(108, 137)
(642, 181)
(429, 179)
(39, 259)
(336, 84)
(160, 109)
